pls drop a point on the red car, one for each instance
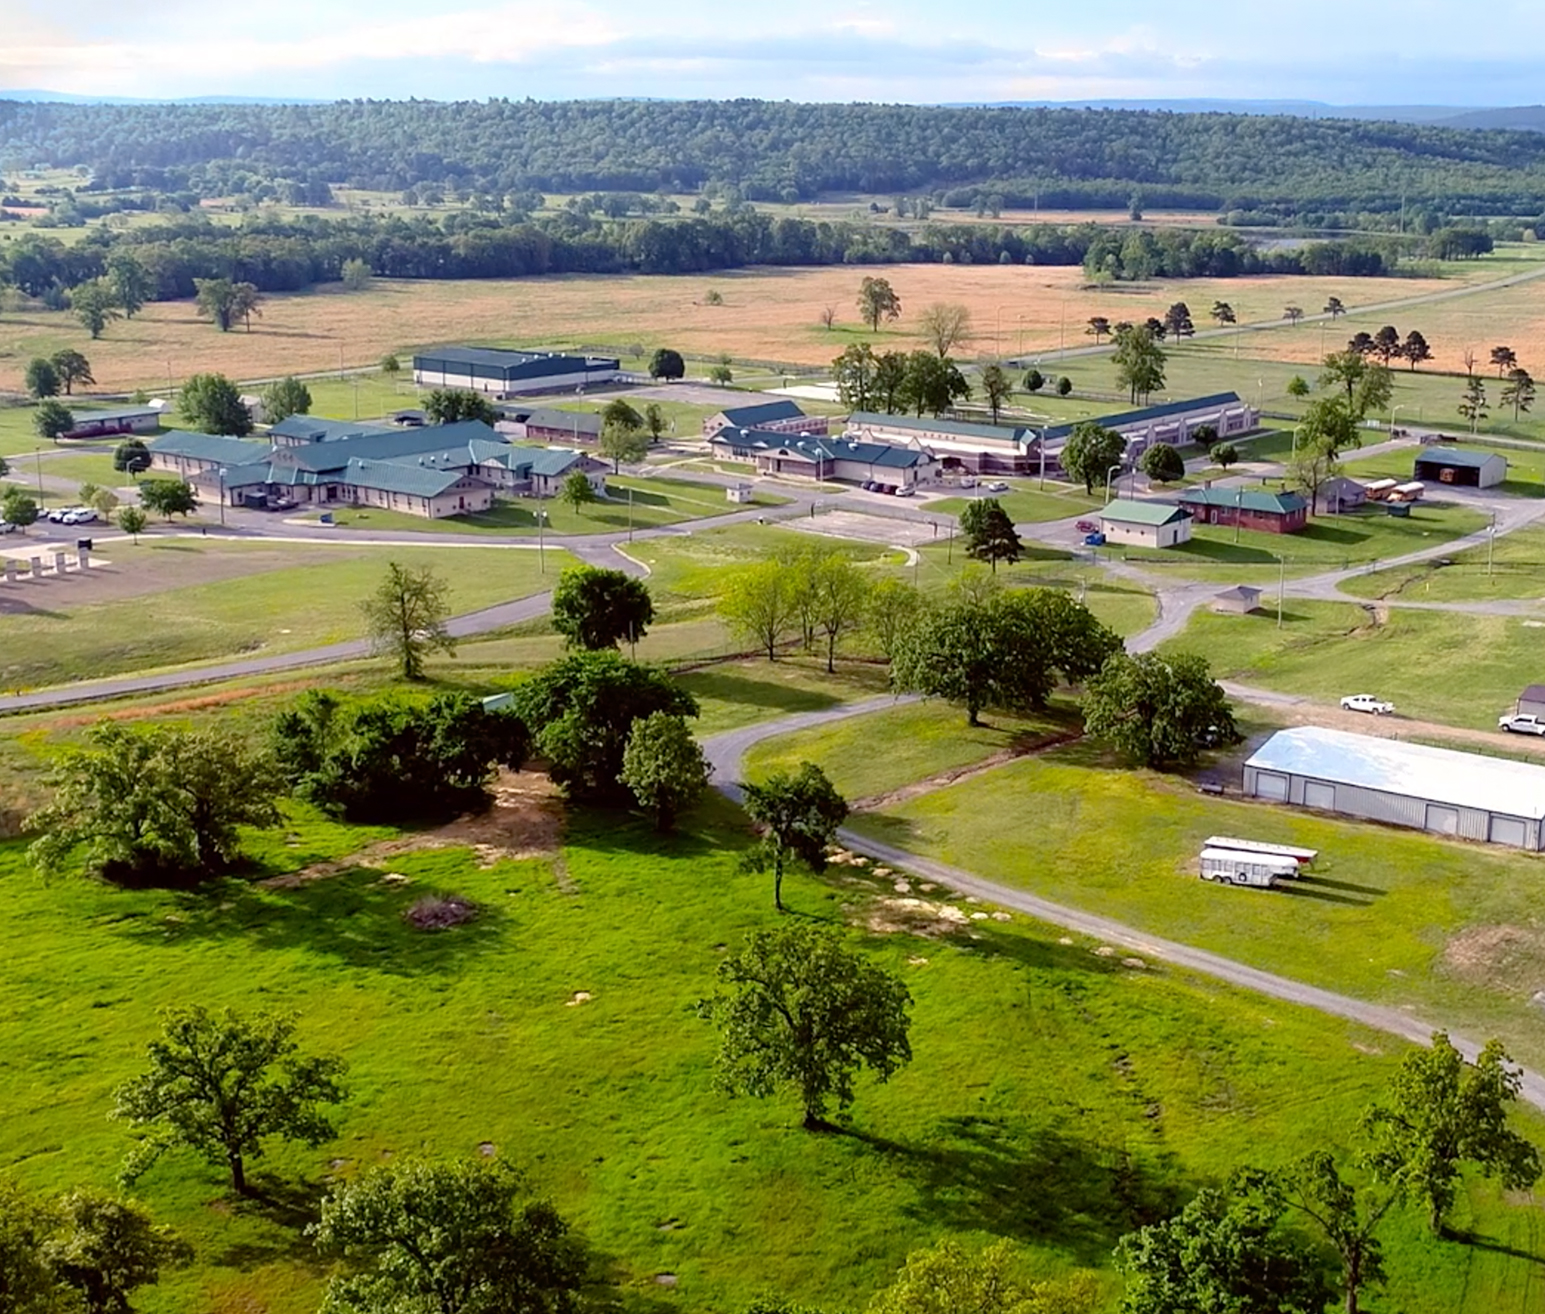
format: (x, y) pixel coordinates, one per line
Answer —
(1087, 527)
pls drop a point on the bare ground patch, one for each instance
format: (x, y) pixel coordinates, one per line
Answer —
(525, 820)
(1508, 958)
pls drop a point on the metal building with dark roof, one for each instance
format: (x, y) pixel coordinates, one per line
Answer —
(1459, 467)
(506, 373)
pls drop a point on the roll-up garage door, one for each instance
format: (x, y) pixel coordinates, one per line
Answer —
(1509, 830)
(1442, 820)
(1317, 794)
(1271, 786)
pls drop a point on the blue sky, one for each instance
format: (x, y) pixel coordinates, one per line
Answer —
(906, 50)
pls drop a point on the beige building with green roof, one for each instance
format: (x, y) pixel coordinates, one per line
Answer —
(1145, 524)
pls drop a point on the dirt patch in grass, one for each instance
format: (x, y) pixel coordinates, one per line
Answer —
(1510, 958)
(180, 705)
(1022, 747)
(525, 820)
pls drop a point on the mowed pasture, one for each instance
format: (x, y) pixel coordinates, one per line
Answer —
(767, 314)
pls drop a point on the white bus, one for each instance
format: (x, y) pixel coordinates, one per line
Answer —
(1234, 867)
(1303, 857)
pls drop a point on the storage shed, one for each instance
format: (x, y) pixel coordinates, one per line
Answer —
(1340, 495)
(1240, 600)
(1434, 789)
(1456, 466)
(1146, 524)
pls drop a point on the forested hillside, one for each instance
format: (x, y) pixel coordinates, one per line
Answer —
(781, 151)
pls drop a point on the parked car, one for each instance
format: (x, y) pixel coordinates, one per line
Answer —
(869, 486)
(904, 492)
(997, 486)
(1095, 539)
(84, 516)
(1366, 703)
(1088, 526)
(6, 527)
(1522, 725)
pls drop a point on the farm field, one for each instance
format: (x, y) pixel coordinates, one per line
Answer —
(1455, 668)
(172, 600)
(558, 1029)
(1443, 928)
(770, 315)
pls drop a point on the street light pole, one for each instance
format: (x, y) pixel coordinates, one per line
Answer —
(630, 515)
(1041, 443)
(1282, 571)
(1491, 540)
(541, 554)
(1108, 474)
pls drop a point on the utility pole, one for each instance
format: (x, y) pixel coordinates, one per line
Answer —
(541, 554)
(1491, 541)
(1282, 571)
(630, 515)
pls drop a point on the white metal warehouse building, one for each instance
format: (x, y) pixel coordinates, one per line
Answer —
(1434, 789)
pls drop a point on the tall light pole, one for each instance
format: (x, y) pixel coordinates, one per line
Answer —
(223, 473)
(1392, 411)
(1108, 474)
(1491, 542)
(541, 553)
(1282, 571)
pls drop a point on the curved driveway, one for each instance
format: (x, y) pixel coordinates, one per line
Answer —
(727, 750)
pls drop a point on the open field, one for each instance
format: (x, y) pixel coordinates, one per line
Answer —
(1027, 503)
(1388, 915)
(174, 600)
(1516, 570)
(1160, 1083)
(1458, 669)
(768, 314)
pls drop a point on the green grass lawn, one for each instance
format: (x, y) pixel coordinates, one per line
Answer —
(870, 755)
(1514, 568)
(1374, 921)
(1026, 503)
(1056, 1098)
(83, 468)
(275, 599)
(1328, 543)
(1457, 669)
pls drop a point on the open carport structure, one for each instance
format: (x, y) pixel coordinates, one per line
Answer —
(1433, 789)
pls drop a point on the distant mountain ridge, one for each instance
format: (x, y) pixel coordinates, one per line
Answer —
(1526, 117)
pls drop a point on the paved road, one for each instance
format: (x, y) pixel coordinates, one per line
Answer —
(727, 750)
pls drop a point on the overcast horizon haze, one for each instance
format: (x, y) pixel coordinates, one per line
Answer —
(1309, 50)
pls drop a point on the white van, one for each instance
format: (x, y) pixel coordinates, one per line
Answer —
(1235, 867)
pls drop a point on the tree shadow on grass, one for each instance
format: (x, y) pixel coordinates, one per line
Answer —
(1032, 1184)
(352, 916)
(1478, 1242)
(721, 686)
(278, 1212)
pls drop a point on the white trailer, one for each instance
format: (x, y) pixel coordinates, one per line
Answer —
(1303, 857)
(1236, 867)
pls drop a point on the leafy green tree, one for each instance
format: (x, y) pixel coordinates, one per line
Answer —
(1518, 392)
(797, 1008)
(854, 374)
(391, 759)
(1298, 386)
(877, 300)
(623, 434)
(245, 300)
(1158, 710)
(1225, 1251)
(130, 282)
(405, 617)
(979, 654)
(154, 806)
(106, 1249)
(580, 711)
(51, 419)
(1205, 436)
(1091, 450)
(1099, 327)
(94, 306)
(1177, 321)
(223, 1085)
(215, 299)
(576, 492)
(1034, 380)
(211, 403)
(1224, 455)
(1139, 362)
(131, 456)
(1162, 464)
(17, 507)
(390, 366)
(1334, 308)
(168, 497)
(931, 384)
(664, 766)
(284, 398)
(1441, 1113)
(1222, 313)
(797, 814)
(41, 378)
(1076, 644)
(989, 533)
(72, 368)
(355, 274)
(667, 364)
(1292, 314)
(28, 1284)
(949, 1279)
(721, 374)
(1373, 392)
(447, 1238)
(132, 521)
(1504, 358)
(452, 405)
(839, 597)
(1473, 404)
(894, 607)
(1329, 427)
(595, 608)
(1348, 1218)
(101, 500)
(1415, 349)
(759, 603)
(655, 421)
(944, 327)
(890, 377)
(1064, 386)
(996, 388)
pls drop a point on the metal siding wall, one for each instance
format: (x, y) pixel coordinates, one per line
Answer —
(1376, 805)
(1474, 824)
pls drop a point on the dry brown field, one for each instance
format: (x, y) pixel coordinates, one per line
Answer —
(767, 314)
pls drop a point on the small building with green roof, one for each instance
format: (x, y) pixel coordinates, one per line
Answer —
(1145, 524)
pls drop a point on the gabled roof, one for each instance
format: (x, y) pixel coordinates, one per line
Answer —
(400, 477)
(1246, 499)
(311, 429)
(586, 422)
(208, 447)
(1439, 775)
(1124, 511)
(109, 413)
(550, 462)
(1125, 419)
(953, 428)
(391, 445)
(1240, 593)
(1457, 456)
(749, 417)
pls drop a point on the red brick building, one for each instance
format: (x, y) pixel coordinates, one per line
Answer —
(1249, 508)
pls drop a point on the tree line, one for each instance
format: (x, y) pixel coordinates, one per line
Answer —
(784, 151)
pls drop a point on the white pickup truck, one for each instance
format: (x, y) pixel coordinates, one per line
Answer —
(1366, 703)
(1522, 725)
